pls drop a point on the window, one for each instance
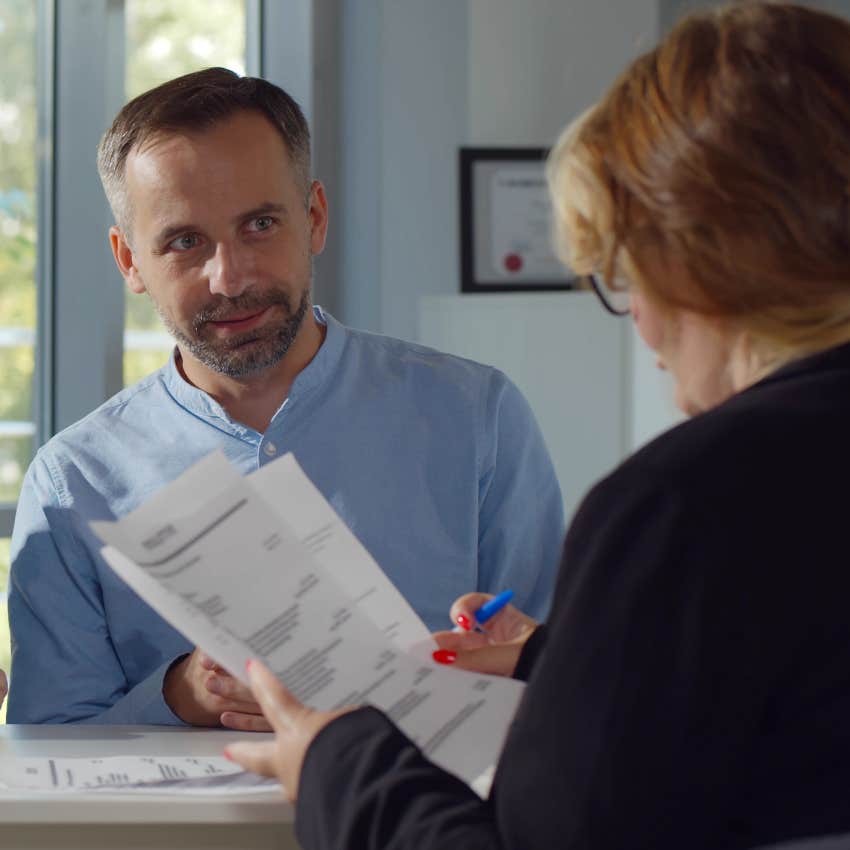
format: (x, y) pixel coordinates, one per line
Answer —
(17, 269)
(17, 243)
(164, 40)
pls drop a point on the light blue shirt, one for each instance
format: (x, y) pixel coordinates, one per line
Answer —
(434, 462)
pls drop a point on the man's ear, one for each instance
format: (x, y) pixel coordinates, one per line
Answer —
(124, 259)
(318, 213)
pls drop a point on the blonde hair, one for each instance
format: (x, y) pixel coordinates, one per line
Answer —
(724, 156)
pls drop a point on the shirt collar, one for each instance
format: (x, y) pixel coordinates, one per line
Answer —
(311, 376)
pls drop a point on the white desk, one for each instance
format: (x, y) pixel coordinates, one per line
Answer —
(115, 822)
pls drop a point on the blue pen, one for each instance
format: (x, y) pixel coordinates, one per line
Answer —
(491, 608)
(485, 612)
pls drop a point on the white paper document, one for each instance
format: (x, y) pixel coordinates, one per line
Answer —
(262, 567)
(130, 774)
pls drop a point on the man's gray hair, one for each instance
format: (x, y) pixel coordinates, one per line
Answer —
(193, 103)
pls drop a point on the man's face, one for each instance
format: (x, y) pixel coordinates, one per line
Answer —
(222, 239)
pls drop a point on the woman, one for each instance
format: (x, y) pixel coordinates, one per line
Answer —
(691, 688)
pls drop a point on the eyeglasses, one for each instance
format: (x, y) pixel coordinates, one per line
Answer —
(618, 302)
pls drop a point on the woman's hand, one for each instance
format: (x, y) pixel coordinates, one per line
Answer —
(295, 725)
(496, 648)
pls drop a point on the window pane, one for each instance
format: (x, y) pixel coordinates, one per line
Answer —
(17, 242)
(5, 653)
(167, 38)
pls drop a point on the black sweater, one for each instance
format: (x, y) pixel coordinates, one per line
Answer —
(691, 688)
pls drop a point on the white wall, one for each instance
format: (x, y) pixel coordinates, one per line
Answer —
(533, 65)
(417, 80)
(403, 116)
(424, 122)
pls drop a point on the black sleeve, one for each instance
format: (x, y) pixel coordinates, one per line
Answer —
(638, 723)
(530, 653)
(365, 785)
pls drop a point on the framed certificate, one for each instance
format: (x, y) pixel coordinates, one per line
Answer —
(506, 223)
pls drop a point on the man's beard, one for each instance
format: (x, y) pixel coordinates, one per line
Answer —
(251, 352)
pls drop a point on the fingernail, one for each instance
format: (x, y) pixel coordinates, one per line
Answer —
(248, 664)
(464, 622)
(445, 656)
(213, 685)
(227, 755)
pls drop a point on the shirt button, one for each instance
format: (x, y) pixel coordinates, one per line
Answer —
(270, 449)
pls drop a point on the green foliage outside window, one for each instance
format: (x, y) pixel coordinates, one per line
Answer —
(164, 40)
(17, 235)
(5, 651)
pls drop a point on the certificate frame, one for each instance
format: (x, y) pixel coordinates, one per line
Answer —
(487, 208)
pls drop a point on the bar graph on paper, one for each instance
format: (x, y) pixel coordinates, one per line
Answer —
(129, 775)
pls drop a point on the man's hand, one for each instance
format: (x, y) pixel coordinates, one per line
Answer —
(496, 648)
(202, 693)
(4, 687)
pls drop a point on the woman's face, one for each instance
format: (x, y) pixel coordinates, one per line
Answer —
(696, 350)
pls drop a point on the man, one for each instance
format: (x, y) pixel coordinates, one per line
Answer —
(434, 462)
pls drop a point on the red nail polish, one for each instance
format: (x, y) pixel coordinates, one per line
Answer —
(463, 622)
(445, 656)
(248, 664)
(227, 755)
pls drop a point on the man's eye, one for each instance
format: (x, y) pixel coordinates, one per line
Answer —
(264, 222)
(184, 243)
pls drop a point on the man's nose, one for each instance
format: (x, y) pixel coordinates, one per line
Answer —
(229, 270)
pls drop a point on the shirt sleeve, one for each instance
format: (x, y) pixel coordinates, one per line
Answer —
(364, 784)
(521, 514)
(64, 665)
